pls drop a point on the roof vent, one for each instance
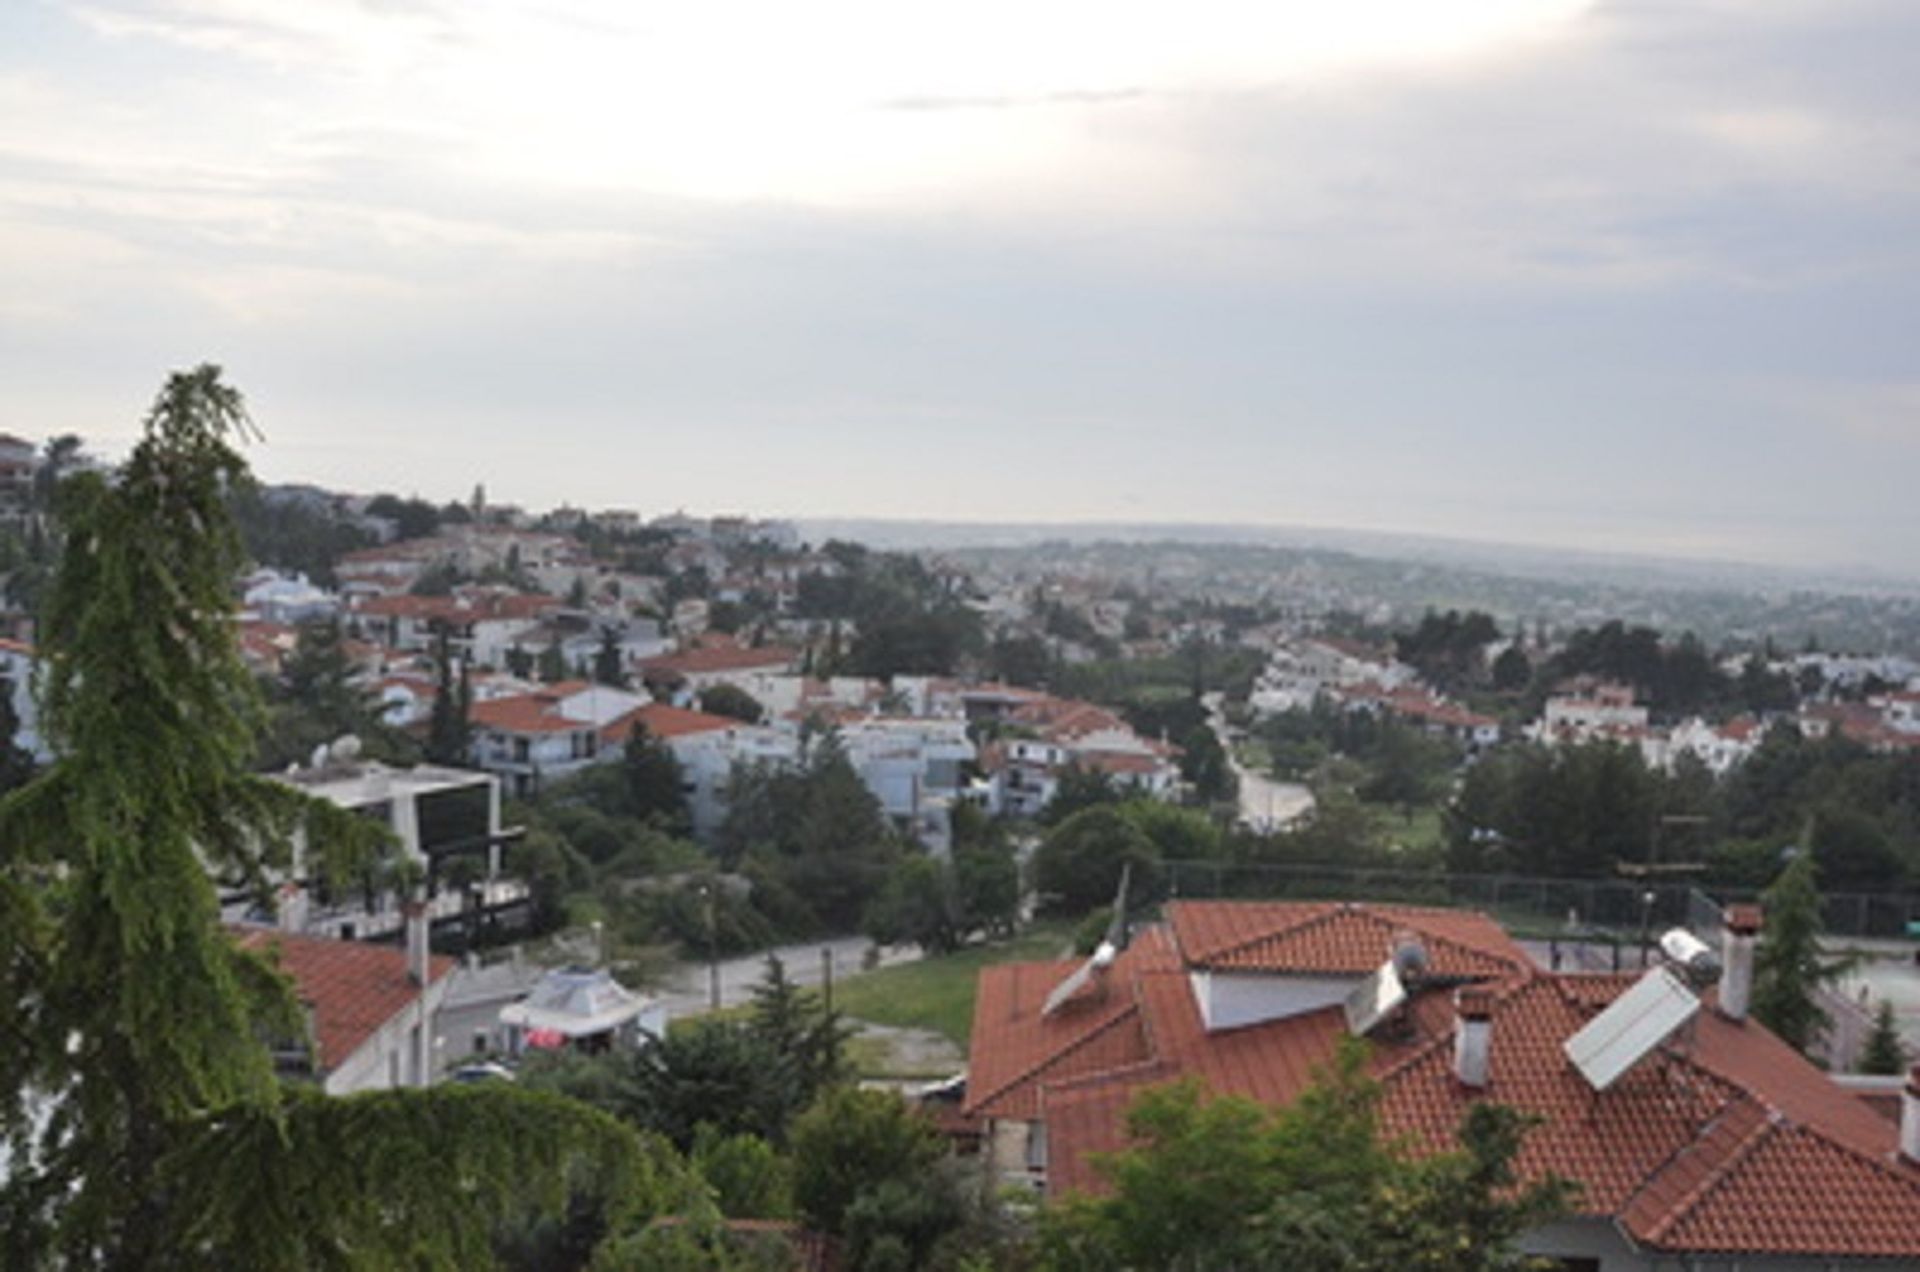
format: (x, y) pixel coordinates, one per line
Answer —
(1473, 1035)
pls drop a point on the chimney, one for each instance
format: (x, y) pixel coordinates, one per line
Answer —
(1910, 1117)
(1736, 974)
(417, 944)
(1473, 1036)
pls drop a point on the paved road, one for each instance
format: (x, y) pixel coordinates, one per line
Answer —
(1264, 803)
(687, 990)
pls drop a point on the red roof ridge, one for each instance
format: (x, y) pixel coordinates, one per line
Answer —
(1397, 917)
(1768, 1121)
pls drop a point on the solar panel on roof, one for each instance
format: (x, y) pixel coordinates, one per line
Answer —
(1066, 989)
(1375, 998)
(1631, 1027)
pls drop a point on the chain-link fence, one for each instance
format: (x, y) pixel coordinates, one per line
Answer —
(1529, 904)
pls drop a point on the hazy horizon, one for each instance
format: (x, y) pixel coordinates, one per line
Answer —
(1616, 276)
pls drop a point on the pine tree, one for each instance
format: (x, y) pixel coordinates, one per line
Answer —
(609, 666)
(553, 664)
(448, 731)
(143, 1123)
(1788, 968)
(1883, 1052)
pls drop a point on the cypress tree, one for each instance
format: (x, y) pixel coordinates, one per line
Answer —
(143, 1122)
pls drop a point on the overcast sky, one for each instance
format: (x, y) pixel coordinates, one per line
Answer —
(1618, 274)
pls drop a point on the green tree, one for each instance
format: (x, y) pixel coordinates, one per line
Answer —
(1788, 967)
(1883, 1052)
(519, 661)
(851, 1141)
(1075, 789)
(919, 904)
(449, 735)
(1221, 1183)
(128, 1017)
(797, 1026)
(1078, 864)
(731, 701)
(552, 667)
(653, 780)
(609, 661)
(1512, 669)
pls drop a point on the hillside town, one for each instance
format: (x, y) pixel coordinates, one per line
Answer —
(615, 763)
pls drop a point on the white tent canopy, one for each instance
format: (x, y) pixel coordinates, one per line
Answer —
(579, 1002)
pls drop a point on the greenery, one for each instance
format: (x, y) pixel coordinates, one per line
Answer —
(1788, 966)
(938, 993)
(144, 1125)
(811, 837)
(1225, 1183)
(1883, 1052)
(732, 701)
(940, 903)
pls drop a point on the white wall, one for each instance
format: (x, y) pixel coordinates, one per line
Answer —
(1228, 1000)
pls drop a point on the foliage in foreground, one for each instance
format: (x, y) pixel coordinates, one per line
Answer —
(1225, 1183)
(144, 1125)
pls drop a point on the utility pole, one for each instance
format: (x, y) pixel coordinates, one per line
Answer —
(713, 955)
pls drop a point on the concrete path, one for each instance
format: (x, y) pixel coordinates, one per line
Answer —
(1265, 805)
(687, 988)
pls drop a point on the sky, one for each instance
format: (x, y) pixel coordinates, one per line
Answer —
(1623, 275)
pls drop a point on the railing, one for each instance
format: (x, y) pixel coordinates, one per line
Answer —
(1528, 903)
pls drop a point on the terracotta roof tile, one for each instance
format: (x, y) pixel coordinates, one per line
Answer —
(1725, 1141)
(1336, 937)
(351, 987)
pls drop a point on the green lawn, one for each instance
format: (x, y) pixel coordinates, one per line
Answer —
(937, 993)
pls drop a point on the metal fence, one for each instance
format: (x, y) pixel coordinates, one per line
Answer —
(1528, 904)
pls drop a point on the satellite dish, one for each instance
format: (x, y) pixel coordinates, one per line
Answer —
(346, 747)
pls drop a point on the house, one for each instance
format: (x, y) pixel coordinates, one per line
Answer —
(551, 732)
(370, 1008)
(686, 673)
(1044, 736)
(19, 668)
(446, 821)
(913, 767)
(1699, 1139)
(1588, 709)
(19, 462)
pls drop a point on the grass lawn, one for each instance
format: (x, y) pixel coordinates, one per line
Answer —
(937, 993)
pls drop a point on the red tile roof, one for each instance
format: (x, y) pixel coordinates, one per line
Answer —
(1726, 1142)
(695, 661)
(352, 988)
(1337, 938)
(537, 712)
(665, 721)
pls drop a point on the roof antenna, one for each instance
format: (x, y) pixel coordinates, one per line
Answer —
(1117, 933)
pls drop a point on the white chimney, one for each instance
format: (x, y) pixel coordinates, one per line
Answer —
(1736, 971)
(1910, 1117)
(1473, 1036)
(418, 947)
